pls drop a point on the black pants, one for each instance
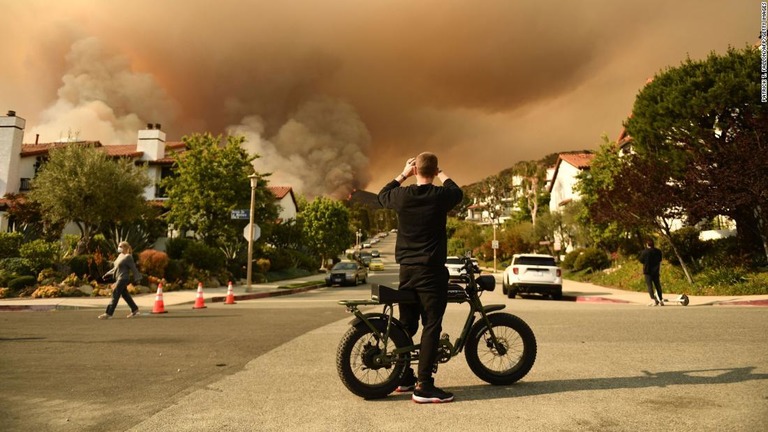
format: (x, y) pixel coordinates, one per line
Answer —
(431, 285)
(121, 290)
(652, 280)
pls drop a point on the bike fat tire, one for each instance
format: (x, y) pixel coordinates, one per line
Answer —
(366, 382)
(489, 365)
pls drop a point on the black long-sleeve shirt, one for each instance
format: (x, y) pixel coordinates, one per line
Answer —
(651, 259)
(422, 212)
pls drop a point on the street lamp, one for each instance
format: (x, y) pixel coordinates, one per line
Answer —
(495, 246)
(254, 182)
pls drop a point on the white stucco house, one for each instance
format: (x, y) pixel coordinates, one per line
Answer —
(567, 167)
(19, 163)
(561, 187)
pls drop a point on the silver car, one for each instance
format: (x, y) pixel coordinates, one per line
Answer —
(346, 273)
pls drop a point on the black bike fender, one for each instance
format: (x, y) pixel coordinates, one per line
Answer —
(378, 318)
(493, 308)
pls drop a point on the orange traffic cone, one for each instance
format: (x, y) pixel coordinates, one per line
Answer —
(199, 301)
(159, 305)
(230, 295)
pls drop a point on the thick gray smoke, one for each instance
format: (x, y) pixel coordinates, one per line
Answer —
(482, 84)
(321, 149)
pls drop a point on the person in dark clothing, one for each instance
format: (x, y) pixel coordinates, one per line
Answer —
(651, 259)
(421, 250)
(122, 270)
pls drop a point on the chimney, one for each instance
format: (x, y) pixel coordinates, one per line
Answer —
(151, 143)
(11, 137)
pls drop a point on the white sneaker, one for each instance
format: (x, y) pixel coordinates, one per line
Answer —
(653, 303)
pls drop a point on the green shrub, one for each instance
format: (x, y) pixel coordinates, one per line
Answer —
(592, 259)
(153, 262)
(175, 270)
(722, 276)
(18, 266)
(5, 277)
(10, 243)
(40, 254)
(22, 282)
(687, 243)
(175, 247)
(204, 257)
(570, 259)
(80, 265)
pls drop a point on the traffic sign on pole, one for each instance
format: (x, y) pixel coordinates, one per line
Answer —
(256, 231)
(240, 214)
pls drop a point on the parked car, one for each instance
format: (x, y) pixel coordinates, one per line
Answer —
(346, 272)
(365, 258)
(376, 264)
(533, 273)
(454, 265)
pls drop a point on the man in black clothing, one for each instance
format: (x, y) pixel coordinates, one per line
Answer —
(421, 249)
(651, 259)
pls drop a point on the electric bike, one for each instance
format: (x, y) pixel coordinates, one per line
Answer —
(373, 355)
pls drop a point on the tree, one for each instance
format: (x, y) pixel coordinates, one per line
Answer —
(632, 192)
(211, 180)
(82, 184)
(704, 123)
(534, 177)
(326, 227)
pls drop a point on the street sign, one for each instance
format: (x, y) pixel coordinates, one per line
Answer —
(256, 231)
(494, 244)
(241, 214)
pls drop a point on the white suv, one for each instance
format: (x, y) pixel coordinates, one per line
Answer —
(533, 273)
(455, 266)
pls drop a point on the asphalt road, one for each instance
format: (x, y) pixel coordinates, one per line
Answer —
(66, 370)
(269, 365)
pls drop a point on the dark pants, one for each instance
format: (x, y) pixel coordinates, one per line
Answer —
(431, 285)
(652, 280)
(121, 290)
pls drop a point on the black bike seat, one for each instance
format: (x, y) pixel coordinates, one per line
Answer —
(387, 295)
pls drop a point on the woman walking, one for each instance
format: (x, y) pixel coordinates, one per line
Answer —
(122, 270)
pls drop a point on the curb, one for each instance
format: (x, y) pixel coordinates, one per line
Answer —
(253, 296)
(593, 299)
(742, 303)
(217, 299)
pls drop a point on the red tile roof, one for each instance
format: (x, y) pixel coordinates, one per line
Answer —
(120, 150)
(579, 160)
(279, 191)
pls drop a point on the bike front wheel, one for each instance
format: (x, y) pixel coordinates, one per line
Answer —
(362, 367)
(506, 361)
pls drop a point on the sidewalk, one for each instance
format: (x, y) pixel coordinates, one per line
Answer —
(572, 291)
(146, 302)
(585, 292)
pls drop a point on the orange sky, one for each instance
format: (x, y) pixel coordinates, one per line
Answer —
(337, 94)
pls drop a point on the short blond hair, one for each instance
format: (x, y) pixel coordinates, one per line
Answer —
(426, 164)
(125, 246)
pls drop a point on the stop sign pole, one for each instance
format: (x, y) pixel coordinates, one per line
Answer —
(254, 182)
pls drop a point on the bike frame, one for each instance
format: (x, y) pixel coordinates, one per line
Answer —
(387, 356)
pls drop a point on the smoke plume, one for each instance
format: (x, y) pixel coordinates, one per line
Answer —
(336, 95)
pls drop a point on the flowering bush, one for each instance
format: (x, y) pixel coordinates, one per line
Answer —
(153, 262)
(46, 291)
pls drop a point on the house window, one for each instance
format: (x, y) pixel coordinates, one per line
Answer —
(165, 172)
(25, 185)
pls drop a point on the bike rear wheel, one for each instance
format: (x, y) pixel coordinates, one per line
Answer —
(356, 361)
(510, 363)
